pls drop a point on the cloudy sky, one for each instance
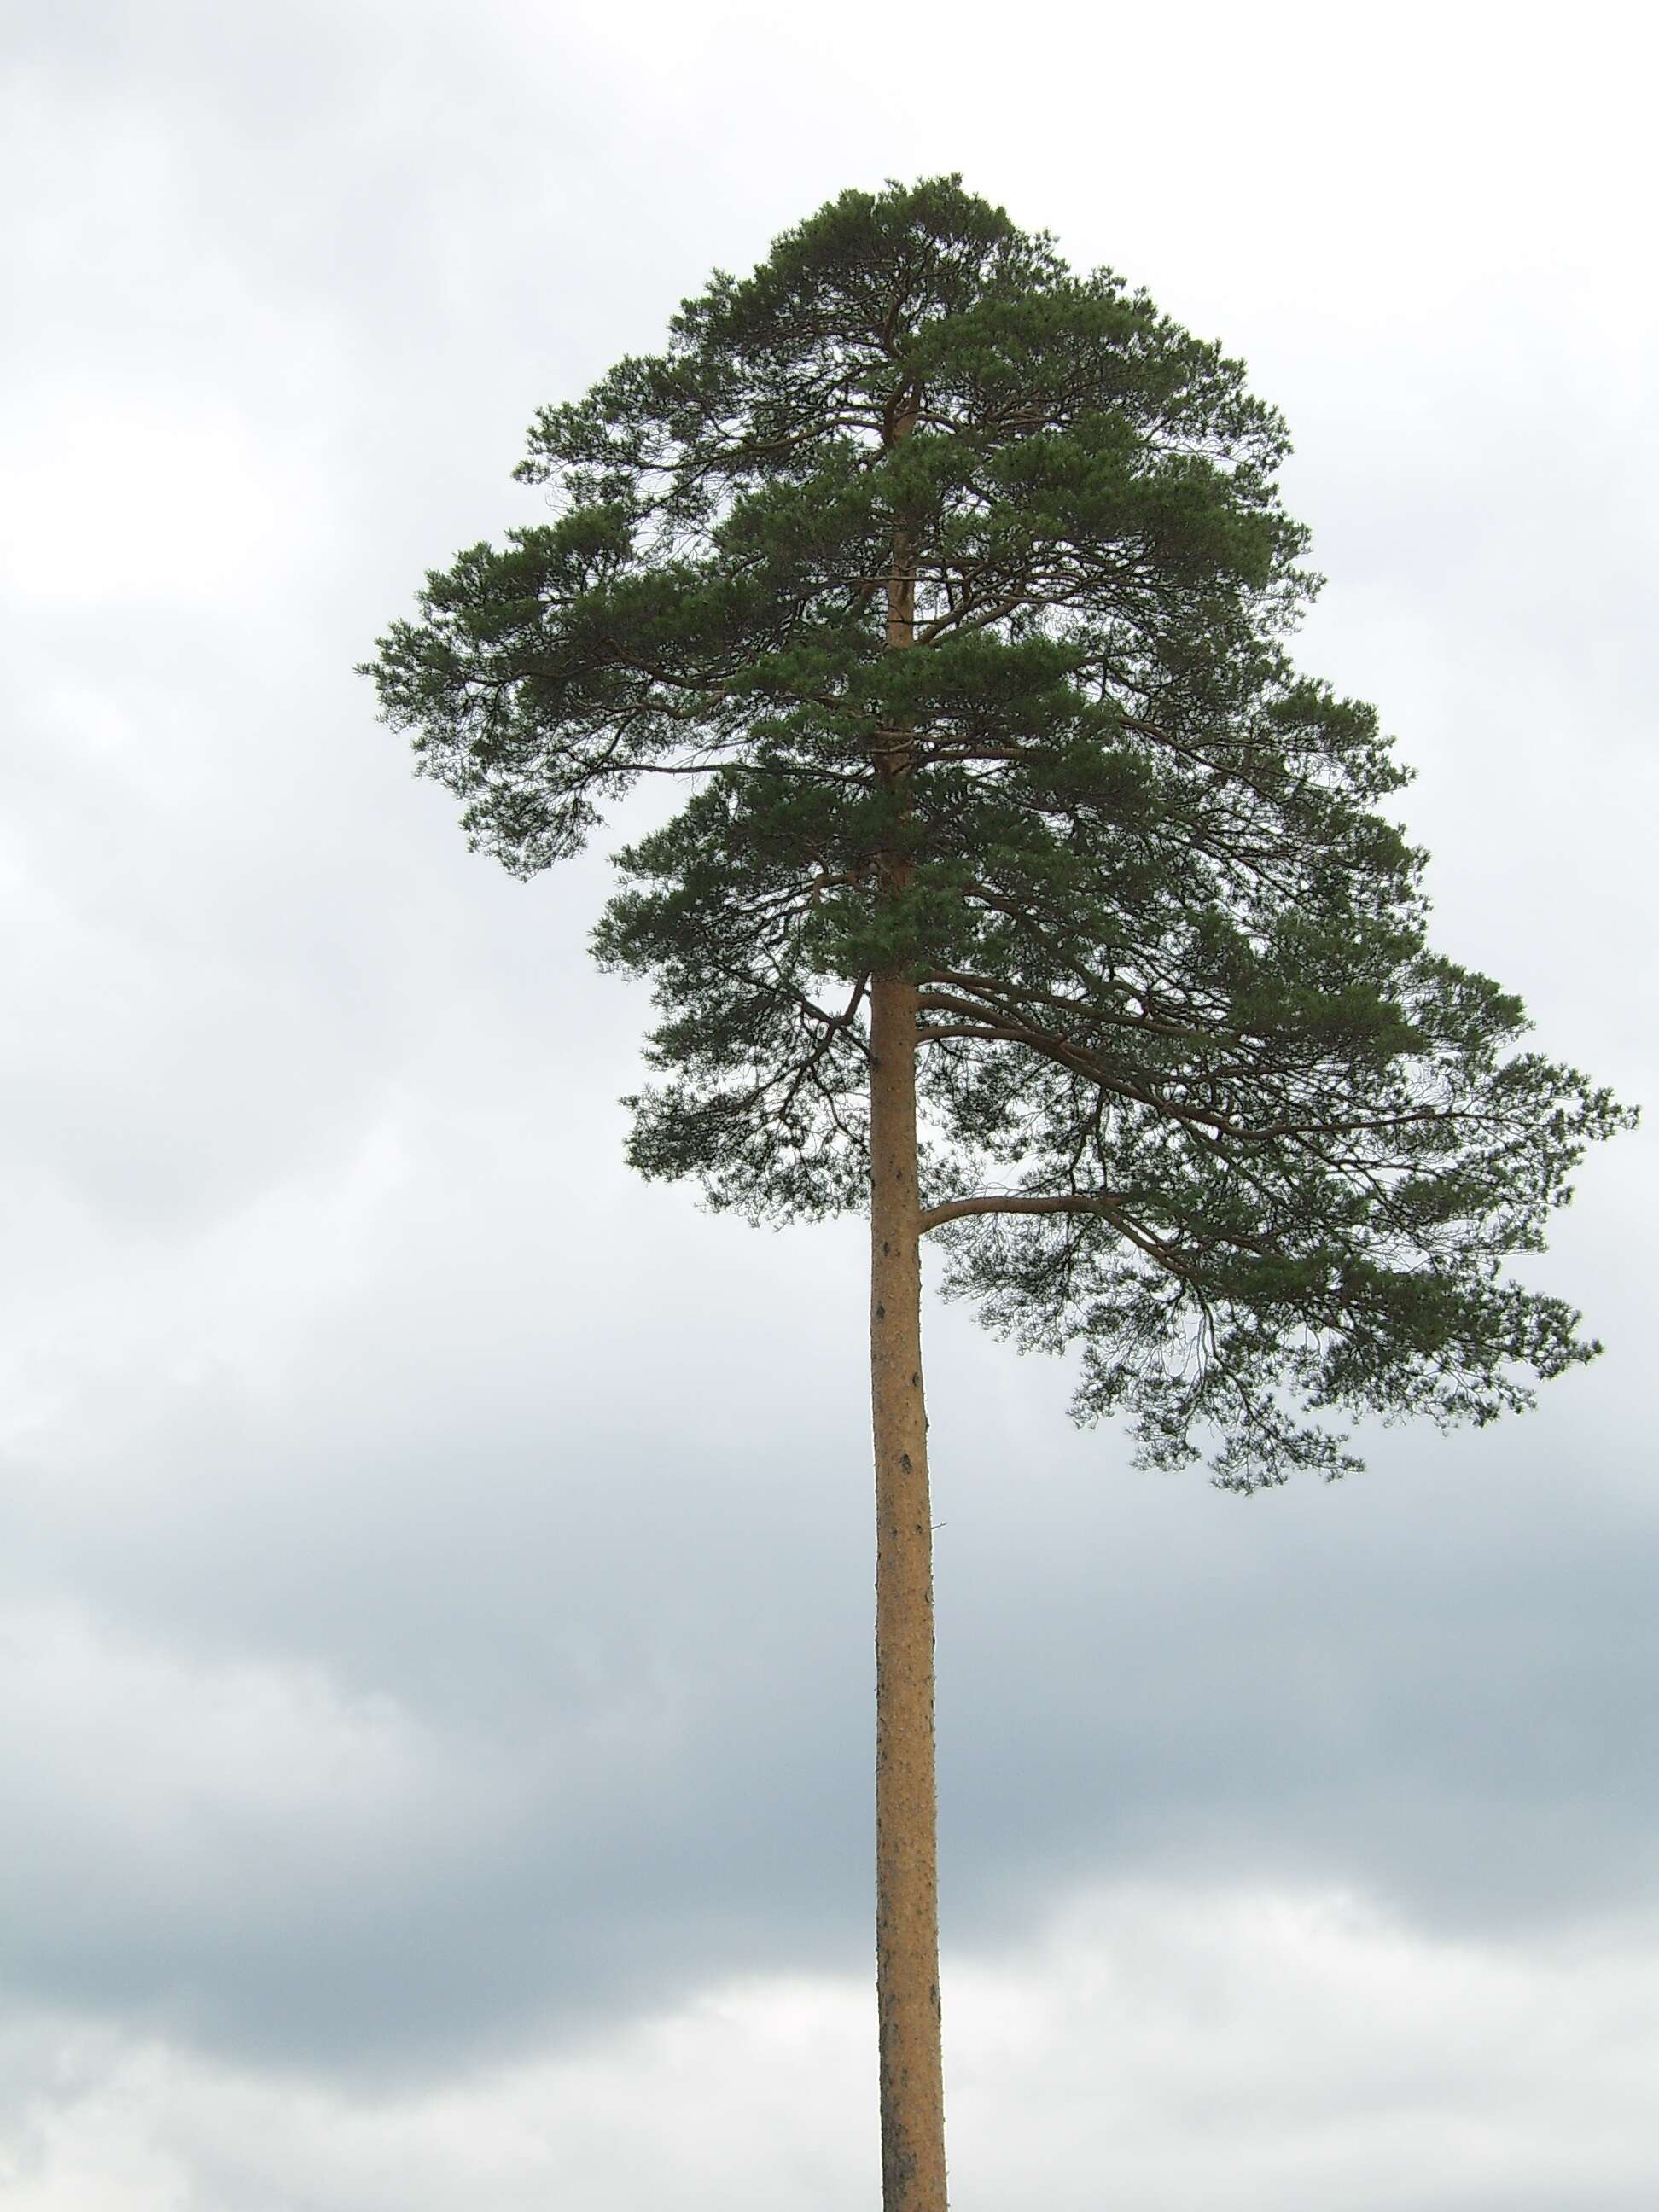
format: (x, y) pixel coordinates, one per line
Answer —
(434, 1669)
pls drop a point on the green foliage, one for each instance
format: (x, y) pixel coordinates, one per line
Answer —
(1175, 995)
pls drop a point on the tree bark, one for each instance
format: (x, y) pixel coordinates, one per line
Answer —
(907, 1892)
(907, 1882)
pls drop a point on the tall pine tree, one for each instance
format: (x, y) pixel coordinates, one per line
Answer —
(1021, 889)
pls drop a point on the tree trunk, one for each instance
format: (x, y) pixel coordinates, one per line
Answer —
(907, 1896)
(907, 1882)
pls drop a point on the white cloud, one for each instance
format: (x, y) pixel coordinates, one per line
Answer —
(141, 501)
(1276, 2051)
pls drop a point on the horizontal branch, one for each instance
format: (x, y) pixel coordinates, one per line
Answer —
(1104, 1205)
(1076, 1060)
(957, 1209)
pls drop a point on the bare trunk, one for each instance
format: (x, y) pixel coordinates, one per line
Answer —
(906, 1895)
(906, 1886)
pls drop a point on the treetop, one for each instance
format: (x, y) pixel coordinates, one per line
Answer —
(957, 588)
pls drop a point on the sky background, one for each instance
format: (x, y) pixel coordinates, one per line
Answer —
(435, 1663)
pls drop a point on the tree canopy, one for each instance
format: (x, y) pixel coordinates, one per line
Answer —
(1197, 1097)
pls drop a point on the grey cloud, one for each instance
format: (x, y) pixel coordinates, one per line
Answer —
(629, 1641)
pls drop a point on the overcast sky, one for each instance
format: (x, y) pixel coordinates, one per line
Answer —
(435, 1668)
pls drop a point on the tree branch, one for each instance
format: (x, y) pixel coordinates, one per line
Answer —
(957, 1209)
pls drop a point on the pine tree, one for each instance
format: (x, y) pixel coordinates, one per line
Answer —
(957, 587)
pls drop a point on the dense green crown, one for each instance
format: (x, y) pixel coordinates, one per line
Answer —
(1173, 974)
